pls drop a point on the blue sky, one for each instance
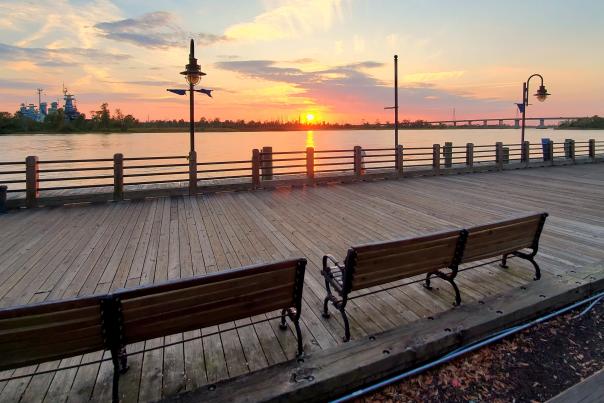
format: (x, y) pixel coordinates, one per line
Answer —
(282, 58)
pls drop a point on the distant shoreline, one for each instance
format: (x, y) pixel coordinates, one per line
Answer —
(231, 130)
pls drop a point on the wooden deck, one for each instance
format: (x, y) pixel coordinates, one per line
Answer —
(53, 253)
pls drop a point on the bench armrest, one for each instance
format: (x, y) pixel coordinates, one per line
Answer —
(327, 267)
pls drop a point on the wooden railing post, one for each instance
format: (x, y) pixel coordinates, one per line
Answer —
(470, 155)
(526, 153)
(499, 155)
(358, 161)
(267, 163)
(567, 149)
(3, 190)
(192, 173)
(448, 154)
(550, 152)
(571, 151)
(31, 181)
(592, 149)
(399, 159)
(436, 159)
(310, 163)
(118, 177)
(255, 168)
(506, 155)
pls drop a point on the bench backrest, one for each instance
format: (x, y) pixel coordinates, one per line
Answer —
(183, 305)
(49, 331)
(380, 263)
(502, 237)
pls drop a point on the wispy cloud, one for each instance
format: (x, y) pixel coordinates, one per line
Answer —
(433, 76)
(56, 57)
(152, 30)
(290, 19)
(352, 88)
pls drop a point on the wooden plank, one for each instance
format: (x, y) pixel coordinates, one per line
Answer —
(589, 390)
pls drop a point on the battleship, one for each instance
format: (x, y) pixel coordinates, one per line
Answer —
(40, 112)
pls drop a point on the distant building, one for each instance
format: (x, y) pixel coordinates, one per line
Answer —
(40, 113)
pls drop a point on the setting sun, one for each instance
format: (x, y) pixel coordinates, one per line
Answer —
(310, 117)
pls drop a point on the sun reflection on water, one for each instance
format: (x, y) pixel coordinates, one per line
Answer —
(310, 138)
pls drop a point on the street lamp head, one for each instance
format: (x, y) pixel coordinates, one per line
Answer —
(542, 93)
(193, 71)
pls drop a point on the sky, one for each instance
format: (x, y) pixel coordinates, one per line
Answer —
(285, 59)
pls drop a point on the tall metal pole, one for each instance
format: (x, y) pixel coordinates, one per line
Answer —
(192, 116)
(192, 100)
(396, 101)
(524, 103)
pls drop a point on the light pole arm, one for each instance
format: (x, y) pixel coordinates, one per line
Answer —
(526, 89)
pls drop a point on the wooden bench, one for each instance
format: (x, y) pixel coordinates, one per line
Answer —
(56, 330)
(380, 263)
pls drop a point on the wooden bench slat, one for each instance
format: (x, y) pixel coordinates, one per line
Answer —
(138, 330)
(208, 292)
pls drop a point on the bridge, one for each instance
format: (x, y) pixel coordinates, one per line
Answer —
(501, 122)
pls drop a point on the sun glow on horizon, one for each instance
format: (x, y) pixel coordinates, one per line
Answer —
(310, 117)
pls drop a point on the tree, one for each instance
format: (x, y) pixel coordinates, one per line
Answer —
(105, 116)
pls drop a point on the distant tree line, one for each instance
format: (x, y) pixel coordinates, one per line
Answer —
(594, 122)
(102, 120)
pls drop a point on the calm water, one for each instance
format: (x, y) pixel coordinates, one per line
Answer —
(239, 145)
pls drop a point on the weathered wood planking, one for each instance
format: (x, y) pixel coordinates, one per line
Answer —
(54, 253)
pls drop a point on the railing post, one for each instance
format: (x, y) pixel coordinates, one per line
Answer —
(448, 154)
(3, 190)
(506, 155)
(592, 149)
(567, 154)
(192, 173)
(499, 155)
(399, 159)
(526, 153)
(118, 177)
(255, 168)
(358, 161)
(267, 163)
(571, 151)
(550, 152)
(470, 155)
(436, 159)
(32, 190)
(310, 163)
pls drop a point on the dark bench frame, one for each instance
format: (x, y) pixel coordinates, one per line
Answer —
(340, 276)
(112, 321)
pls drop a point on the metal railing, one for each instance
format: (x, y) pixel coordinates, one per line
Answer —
(33, 182)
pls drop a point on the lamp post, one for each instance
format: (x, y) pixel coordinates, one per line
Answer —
(193, 75)
(541, 96)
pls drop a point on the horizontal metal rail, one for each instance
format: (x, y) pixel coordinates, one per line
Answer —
(76, 178)
(154, 166)
(173, 157)
(77, 187)
(155, 174)
(75, 169)
(75, 161)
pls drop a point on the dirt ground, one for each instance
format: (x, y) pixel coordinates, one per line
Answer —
(532, 366)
